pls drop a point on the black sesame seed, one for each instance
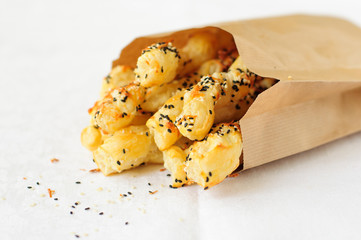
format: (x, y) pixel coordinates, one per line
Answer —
(87, 208)
(123, 150)
(169, 130)
(78, 182)
(71, 212)
(168, 175)
(124, 99)
(147, 134)
(210, 174)
(118, 162)
(210, 111)
(55, 199)
(205, 188)
(149, 184)
(129, 193)
(207, 179)
(101, 213)
(29, 187)
(126, 223)
(37, 183)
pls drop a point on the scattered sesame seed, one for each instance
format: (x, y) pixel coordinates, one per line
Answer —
(78, 182)
(101, 213)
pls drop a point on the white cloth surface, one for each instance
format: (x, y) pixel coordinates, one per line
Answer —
(53, 55)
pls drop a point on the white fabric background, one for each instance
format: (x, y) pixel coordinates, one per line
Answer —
(53, 55)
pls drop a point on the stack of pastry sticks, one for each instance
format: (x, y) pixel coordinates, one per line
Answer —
(180, 107)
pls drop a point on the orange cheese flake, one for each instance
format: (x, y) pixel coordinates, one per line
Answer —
(51, 192)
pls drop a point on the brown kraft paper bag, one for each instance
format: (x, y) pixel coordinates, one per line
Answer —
(318, 62)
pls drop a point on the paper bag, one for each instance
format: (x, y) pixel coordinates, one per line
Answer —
(318, 62)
